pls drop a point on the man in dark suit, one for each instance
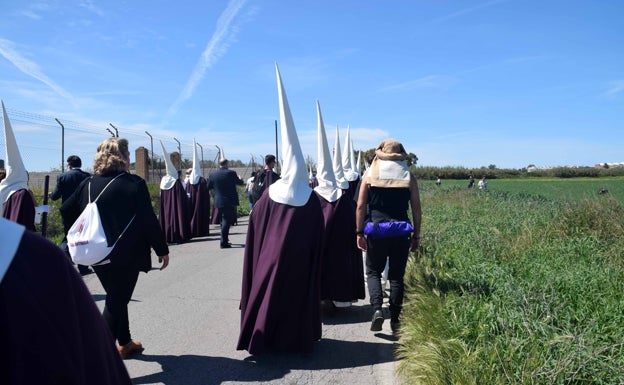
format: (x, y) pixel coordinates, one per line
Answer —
(66, 184)
(224, 182)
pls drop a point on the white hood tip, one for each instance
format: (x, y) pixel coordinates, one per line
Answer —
(16, 174)
(196, 173)
(293, 186)
(337, 164)
(171, 175)
(327, 186)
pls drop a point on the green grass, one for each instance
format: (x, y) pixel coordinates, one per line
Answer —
(521, 284)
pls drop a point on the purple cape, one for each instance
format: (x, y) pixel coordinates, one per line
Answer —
(280, 300)
(341, 263)
(352, 189)
(174, 214)
(20, 208)
(51, 331)
(200, 208)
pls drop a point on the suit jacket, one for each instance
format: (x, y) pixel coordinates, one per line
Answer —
(67, 182)
(123, 198)
(224, 182)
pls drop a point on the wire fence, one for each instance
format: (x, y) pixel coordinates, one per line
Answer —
(46, 141)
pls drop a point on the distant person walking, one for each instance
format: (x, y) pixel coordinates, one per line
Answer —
(471, 181)
(482, 184)
(125, 201)
(249, 188)
(66, 183)
(224, 182)
(265, 177)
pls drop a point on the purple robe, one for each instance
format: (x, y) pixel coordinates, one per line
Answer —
(51, 331)
(20, 208)
(200, 208)
(174, 214)
(280, 300)
(341, 262)
(352, 189)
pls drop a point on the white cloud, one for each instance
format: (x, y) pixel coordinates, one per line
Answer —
(615, 88)
(30, 68)
(220, 41)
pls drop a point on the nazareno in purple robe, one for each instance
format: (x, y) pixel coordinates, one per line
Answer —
(341, 261)
(174, 214)
(280, 300)
(20, 208)
(51, 331)
(200, 208)
(352, 189)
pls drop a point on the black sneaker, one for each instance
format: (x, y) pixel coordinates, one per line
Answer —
(378, 320)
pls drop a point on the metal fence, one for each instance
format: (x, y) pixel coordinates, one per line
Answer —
(45, 142)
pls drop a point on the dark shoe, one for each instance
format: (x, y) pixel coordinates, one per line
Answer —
(129, 349)
(84, 270)
(378, 320)
(226, 246)
(395, 326)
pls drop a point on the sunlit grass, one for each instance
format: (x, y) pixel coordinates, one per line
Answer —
(515, 288)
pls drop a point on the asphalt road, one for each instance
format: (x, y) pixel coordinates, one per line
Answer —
(187, 318)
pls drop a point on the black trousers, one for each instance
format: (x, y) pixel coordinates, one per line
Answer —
(119, 283)
(396, 250)
(228, 217)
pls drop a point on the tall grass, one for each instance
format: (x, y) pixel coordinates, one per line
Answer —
(514, 288)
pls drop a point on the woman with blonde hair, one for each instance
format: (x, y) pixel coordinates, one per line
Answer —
(124, 204)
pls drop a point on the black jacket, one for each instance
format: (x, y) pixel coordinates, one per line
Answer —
(125, 197)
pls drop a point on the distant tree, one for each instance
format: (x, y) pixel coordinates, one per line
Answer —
(492, 167)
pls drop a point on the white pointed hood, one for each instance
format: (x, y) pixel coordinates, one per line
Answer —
(337, 164)
(16, 175)
(347, 158)
(171, 174)
(357, 167)
(292, 188)
(196, 173)
(327, 186)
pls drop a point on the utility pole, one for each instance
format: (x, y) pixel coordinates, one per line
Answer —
(116, 131)
(180, 152)
(202, 158)
(62, 144)
(151, 153)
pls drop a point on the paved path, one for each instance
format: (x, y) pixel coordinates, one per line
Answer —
(187, 318)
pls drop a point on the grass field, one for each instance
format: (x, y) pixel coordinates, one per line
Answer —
(521, 284)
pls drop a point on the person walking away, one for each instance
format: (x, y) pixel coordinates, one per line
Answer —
(125, 202)
(66, 183)
(387, 188)
(17, 202)
(280, 296)
(224, 182)
(249, 188)
(264, 178)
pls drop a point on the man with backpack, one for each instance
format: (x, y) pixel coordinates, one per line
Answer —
(264, 178)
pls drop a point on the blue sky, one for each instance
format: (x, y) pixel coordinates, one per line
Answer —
(460, 83)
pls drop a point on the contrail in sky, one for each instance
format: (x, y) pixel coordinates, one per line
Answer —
(468, 10)
(216, 47)
(30, 68)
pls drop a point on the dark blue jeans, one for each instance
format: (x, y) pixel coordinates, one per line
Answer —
(396, 250)
(228, 217)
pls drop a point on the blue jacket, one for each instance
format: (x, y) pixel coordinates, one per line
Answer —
(224, 182)
(67, 182)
